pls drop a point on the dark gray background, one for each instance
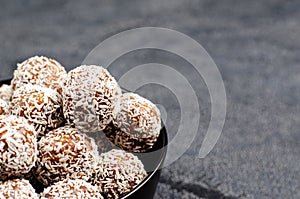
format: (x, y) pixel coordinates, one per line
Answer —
(256, 46)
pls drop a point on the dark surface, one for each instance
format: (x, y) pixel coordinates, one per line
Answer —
(256, 46)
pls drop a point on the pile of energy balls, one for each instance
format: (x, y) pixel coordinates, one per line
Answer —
(71, 133)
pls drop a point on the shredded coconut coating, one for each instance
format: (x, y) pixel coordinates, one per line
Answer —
(118, 172)
(71, 189)
(6, 92)
(41, 71)
(127, 141)
(136, 126)
(17, 188)
(18, 146)
(3, 107)
(40, 105)
(65, 153)
(91, 98)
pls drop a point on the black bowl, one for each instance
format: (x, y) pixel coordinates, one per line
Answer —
(152, 160)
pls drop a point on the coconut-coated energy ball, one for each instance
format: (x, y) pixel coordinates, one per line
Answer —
(41, 71)
(136, 126)
(65, 153)
(91, 98)
(18, 146)
(118, 172)
(3, 107)
(40, 105)
(6, 92)
(17, 188)
(71, 189)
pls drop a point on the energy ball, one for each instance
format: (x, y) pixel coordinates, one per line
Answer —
(136, 126)
(6, 92)
(65, 153)
(18, 146)
(118, 172)
(71, 189)
(3, 107)
(17, 188)
(40, 105)
(91, 98)
(41, 71)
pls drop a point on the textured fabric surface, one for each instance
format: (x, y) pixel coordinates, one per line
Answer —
(256, 46)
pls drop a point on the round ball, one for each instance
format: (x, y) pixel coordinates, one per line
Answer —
(65, 153)
(118, 172)
(18, 146)
(17, 188)
(70, 189)
(3, 107)
(91, 98)
(40, 105)
(6, 92)
(41, 71)
(136, 126)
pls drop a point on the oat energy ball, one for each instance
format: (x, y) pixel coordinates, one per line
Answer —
(91, 98)
(6, 92)
(18, 146)
(71, 189)
(17, 188)
(136, 126)
(40, 105)
(65, 153)
(41, 71)
(3, 107)
(118, 172)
